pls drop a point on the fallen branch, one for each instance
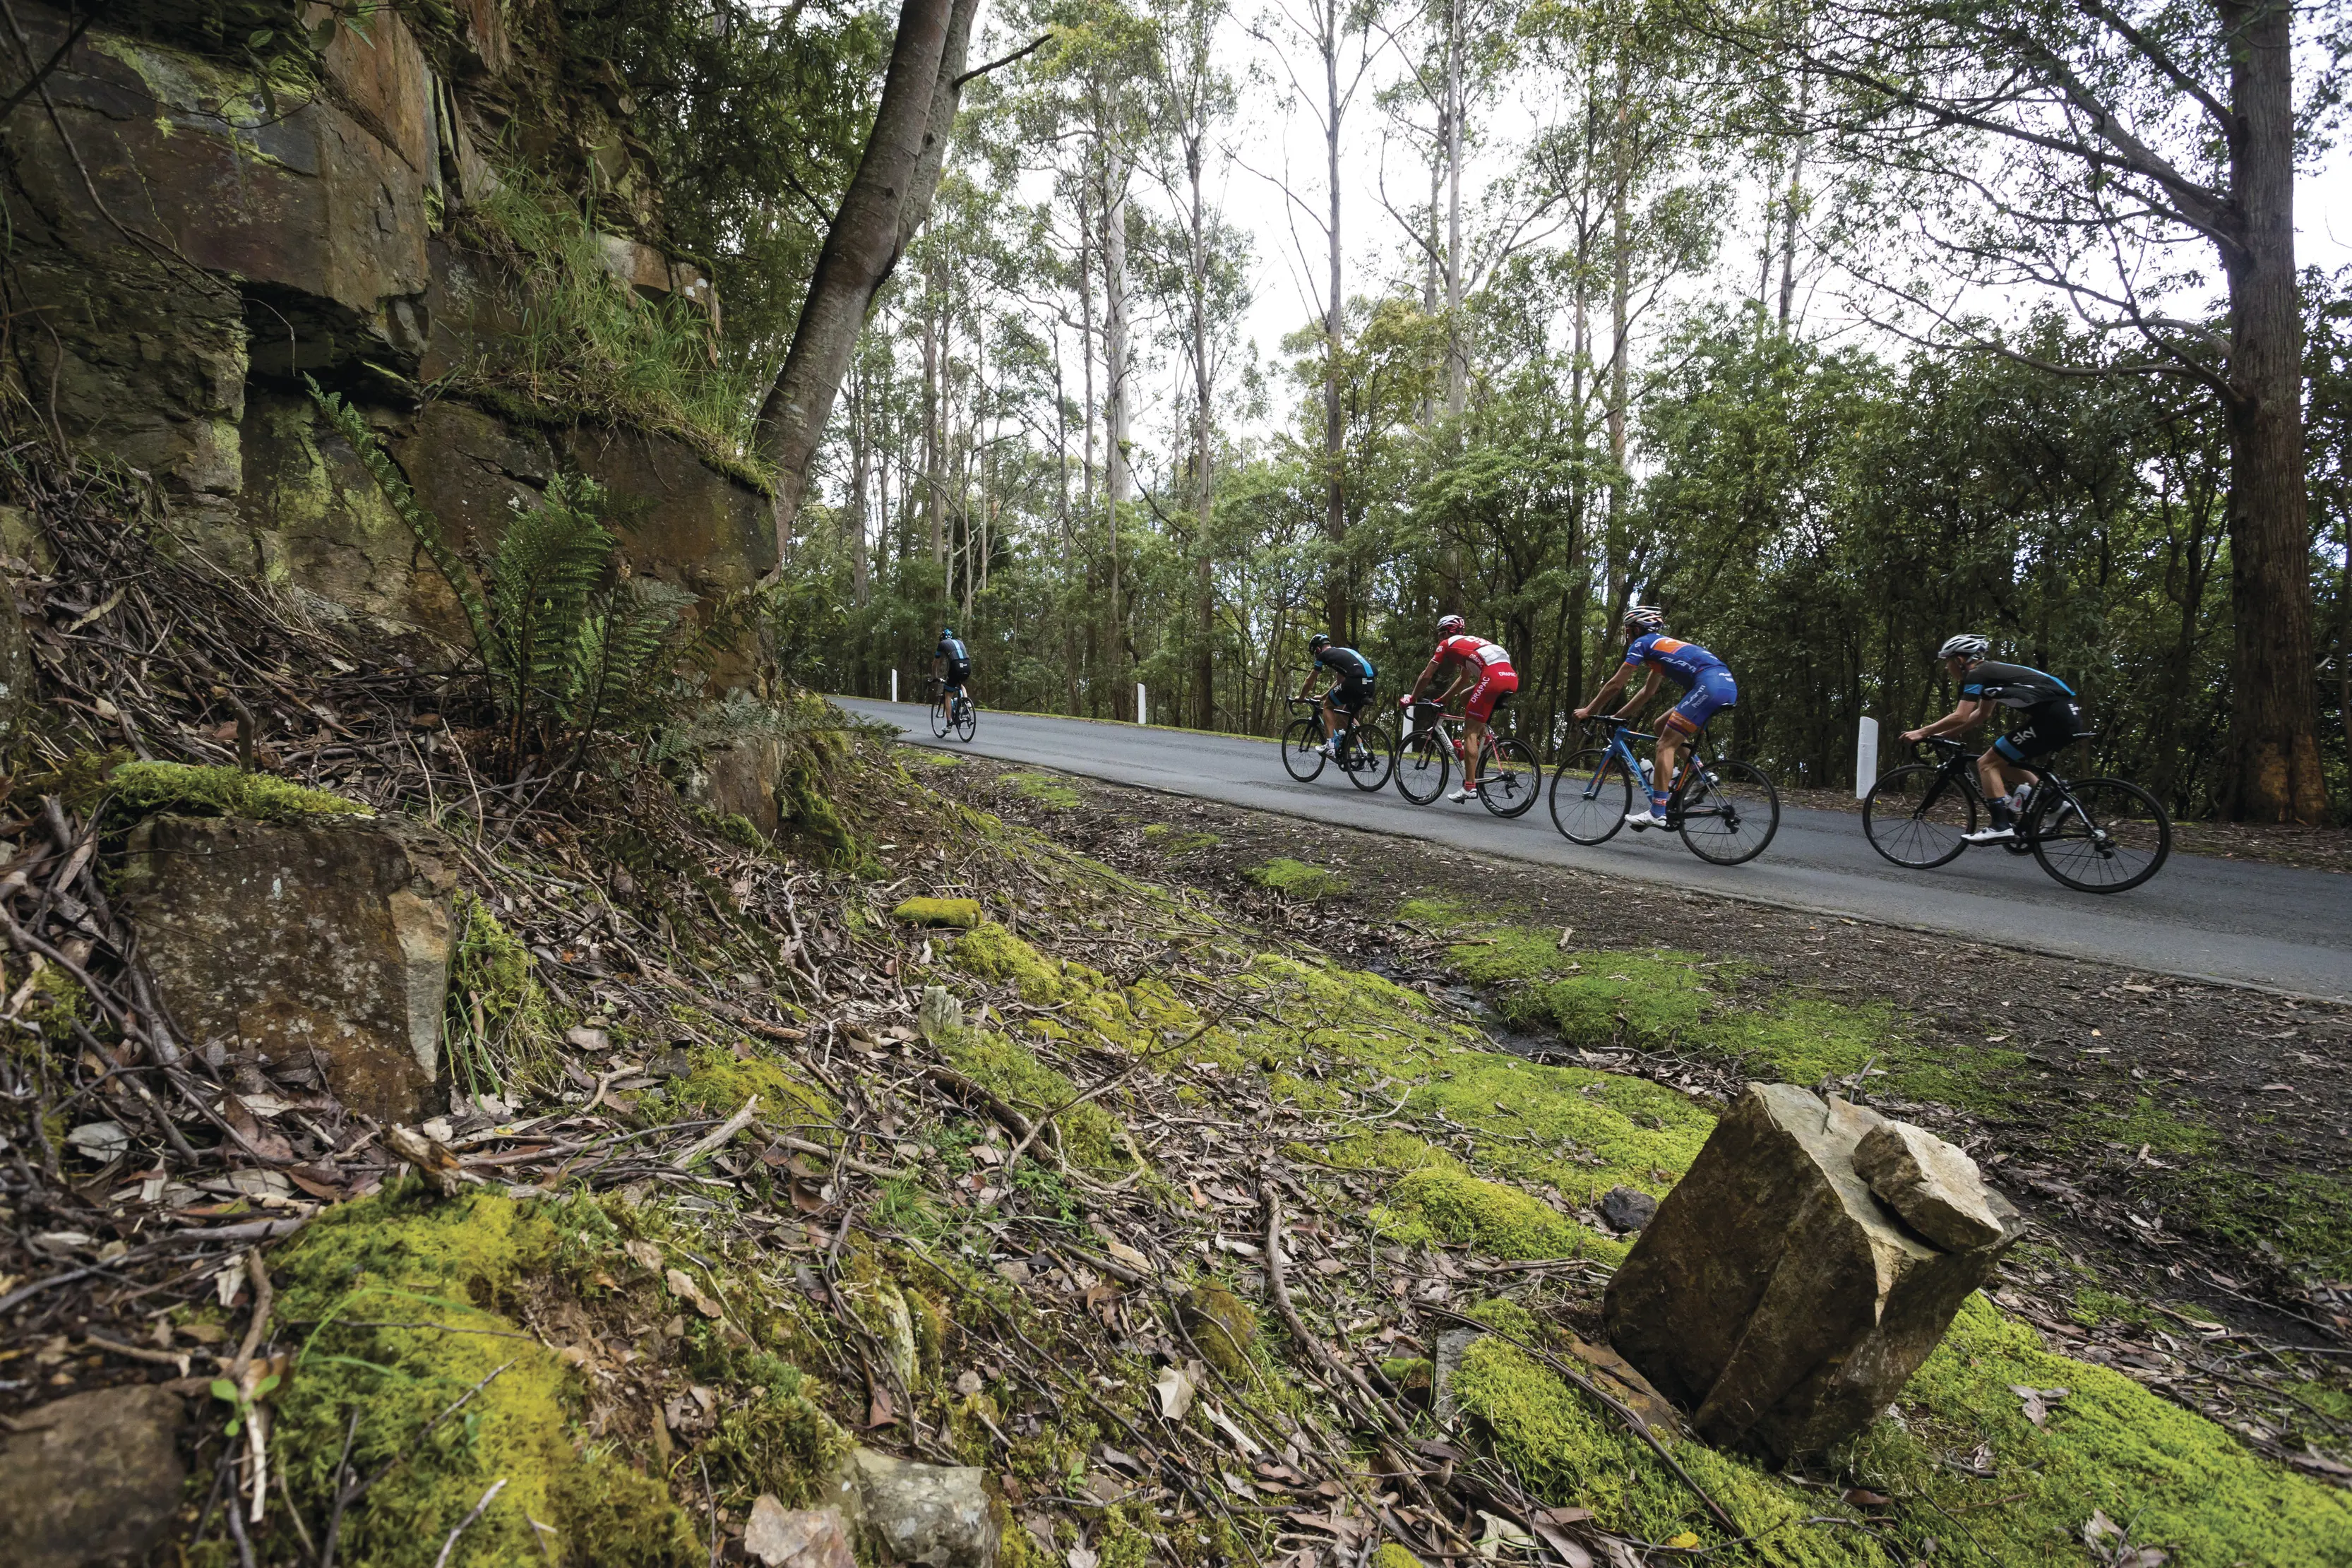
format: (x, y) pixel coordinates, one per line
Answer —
(725, 1129)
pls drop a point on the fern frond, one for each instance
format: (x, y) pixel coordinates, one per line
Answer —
(346, 422)
(627, 649)
(546, 569)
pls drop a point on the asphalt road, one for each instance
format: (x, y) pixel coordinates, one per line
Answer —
(2235, 921)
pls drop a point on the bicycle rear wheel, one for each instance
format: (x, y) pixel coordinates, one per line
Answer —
(1732, 815)
(1367, 755)
(1914, 816)
(1302, 750)
(967, 718)
(1423, 766)
(1509, 779)
(2098, 835)
(1590, 793)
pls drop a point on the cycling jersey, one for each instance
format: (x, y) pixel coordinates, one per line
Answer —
(958, 661)
(1473, 650)
(1684, 662)
(2014, 685)
(1347, 666)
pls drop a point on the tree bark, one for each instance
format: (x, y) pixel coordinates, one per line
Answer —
(868, 233)
(1204, 699)
(1457, 353)
(2274, 733)
(1337, 599)
(861, 585)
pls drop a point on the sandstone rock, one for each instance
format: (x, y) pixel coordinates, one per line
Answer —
(330, 937)
(92, 1478)
(938, 1515)
(1774, 1296)
(1936, 1188)
(1627, 1209)
(802, 1538)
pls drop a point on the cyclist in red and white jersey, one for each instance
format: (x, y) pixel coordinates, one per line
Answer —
(1485, 670)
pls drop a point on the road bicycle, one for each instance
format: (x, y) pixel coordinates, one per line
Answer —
(958, 715)
(1727, 811)
(2094, 835)
(1363, 748)
(1509, 778)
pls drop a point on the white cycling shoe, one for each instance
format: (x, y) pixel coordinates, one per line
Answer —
(1639, 819)
(1467, 792)
(1996, 835)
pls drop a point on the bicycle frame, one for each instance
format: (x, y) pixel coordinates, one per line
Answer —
(1695, 764)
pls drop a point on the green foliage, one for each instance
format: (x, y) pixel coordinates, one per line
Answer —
(1296, 879)
(953, 913)
(149, 786)
(498, 1027)
(568, 646)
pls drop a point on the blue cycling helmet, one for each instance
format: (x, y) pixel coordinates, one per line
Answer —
(947, 631)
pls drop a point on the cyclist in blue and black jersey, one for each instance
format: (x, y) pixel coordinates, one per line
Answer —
(1352, 685)
(1707, 689)
(951, 662)
(2053, 719)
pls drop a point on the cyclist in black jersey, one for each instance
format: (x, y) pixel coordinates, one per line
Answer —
(951, 662)
(1352, 675)
(2052, 713)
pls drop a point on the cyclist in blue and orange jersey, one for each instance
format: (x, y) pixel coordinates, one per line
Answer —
(1482, 668)
(1352, 675)
(1707, 689)
(2052, 713)
(951, 662)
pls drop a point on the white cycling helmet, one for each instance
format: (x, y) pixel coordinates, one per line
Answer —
(1645, 618)
(1967, 645)
(1452, 626)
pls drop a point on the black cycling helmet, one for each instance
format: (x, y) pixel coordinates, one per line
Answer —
(1321, 641)
(1452, 626)
(1641, 618)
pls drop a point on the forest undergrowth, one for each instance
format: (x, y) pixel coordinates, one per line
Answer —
(911, 1127)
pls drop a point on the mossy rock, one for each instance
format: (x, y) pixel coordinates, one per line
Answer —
(1173, 840)
(1391, 1555)
(1222, 1325)
(955, 914)
(149, 786)
(1415, 1377)
(1045, 789)
(1296, 879)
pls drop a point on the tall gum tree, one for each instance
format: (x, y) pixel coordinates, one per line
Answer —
(2088, 147)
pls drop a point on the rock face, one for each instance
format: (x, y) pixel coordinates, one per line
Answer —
(1775, 1296)
(938, 1515)
(331, 937)
(92, 1479)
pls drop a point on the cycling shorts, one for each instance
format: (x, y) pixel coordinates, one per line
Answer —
(1495, 683)
(1709, 695)
(957, 674)
(2048, 727)
(1350, 697)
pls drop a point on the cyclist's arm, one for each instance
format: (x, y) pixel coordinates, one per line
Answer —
(1306, 687)
(1609, 688)
(1967, 715)
(1428, 673)
(1640, 699)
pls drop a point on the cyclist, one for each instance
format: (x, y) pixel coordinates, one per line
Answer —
(950, 666)
(1486, 670)
(2052, 718)
(1352, 675)
(1707, 689)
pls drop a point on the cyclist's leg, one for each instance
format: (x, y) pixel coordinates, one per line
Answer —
(1331, 714)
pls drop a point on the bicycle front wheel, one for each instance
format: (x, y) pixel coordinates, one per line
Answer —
(1368, 756)
(939, 717)
(1302, 750)
(1509, 779)
(1914, 816)
(967, 719)
(2099, 835)
(1422, 767)
(1590, 793)
(1732, 815)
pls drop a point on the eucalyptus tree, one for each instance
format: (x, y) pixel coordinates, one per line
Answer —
(2091, 147)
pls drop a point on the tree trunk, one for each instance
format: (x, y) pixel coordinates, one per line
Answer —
(1336, 597)
(860, 458)
(2275, 773)
(1118, 400)
(935, 426)
(1457, 353)
(1204, 700)
(863, 246)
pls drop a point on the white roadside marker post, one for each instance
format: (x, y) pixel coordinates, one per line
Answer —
(894, 686)
(1141, 716)
(1865, 758)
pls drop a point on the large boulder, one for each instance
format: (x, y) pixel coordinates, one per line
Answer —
(330, 937)
(1774, 1295)
(92, 1478)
